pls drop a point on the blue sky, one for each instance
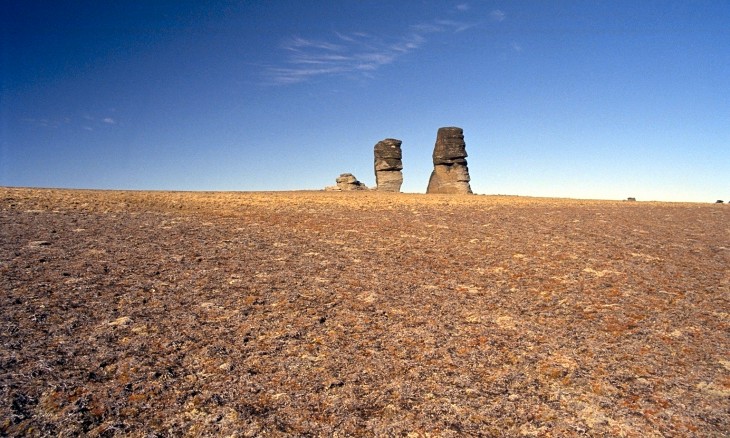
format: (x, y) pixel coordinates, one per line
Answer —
(582, 99)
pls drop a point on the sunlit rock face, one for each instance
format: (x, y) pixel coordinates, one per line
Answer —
(388, 165)
(450, 173)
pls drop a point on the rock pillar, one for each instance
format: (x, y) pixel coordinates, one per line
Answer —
(450, 174)
(388, 165)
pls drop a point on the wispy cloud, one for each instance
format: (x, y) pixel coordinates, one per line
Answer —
(497, 15)
(463, 7)
(46, 122)
(85, 122)
(356, 54)
(457, 26)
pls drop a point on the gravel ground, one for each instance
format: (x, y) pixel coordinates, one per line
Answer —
(361, 314)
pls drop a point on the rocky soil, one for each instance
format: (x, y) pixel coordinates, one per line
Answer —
(361, 314)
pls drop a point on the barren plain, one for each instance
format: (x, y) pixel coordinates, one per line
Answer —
(361, 314)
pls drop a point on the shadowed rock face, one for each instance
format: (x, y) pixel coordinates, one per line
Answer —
(388, 165)
(450, 174)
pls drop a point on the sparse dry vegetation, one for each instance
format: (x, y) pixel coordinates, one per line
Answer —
(375, 314)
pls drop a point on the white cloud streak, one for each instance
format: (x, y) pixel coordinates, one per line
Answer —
(47, 123)
(85, 122)
(355, 54)
(456, 25)
(497, 15)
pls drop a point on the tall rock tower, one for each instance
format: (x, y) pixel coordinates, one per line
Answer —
(388, 165)
(450, 174)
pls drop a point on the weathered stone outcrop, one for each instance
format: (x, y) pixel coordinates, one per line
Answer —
(450, 173)
(388, 165)
(347, 182)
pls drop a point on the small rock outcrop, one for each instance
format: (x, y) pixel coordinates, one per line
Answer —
(388, 165)
(347, 182)
(450, 174)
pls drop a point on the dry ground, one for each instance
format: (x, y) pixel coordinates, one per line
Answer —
(361, 314)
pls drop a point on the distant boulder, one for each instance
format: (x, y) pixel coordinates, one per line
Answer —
(719, 201)
(347, 182)
(631, 199)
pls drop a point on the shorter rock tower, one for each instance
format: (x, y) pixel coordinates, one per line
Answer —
(450, 174)
(388, 165)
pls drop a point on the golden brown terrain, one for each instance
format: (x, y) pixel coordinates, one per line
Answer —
(361, 314)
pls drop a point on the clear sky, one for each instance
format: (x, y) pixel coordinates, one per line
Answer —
(582, 99)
